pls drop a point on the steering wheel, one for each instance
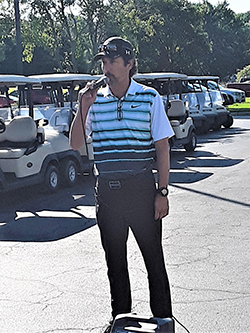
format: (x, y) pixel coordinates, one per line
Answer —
(44, 122)
(2, 125)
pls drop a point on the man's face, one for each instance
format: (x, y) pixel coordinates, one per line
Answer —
(116, 70)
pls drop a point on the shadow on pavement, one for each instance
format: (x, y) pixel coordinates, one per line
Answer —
(223, 133)
(184, 164)
(35, 229)
(236, 202)
(30, 215)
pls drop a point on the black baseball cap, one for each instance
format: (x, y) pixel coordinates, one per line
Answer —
(115, 47)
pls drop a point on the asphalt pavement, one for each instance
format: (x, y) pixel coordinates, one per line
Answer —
(53, 272)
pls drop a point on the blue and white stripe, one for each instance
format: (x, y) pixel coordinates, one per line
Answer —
(123, 145)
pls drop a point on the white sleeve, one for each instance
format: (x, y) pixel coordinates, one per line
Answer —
(160, 125)
(88, 126)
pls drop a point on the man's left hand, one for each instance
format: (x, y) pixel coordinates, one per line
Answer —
(161, 207)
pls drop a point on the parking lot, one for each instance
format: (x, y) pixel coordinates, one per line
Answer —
(53, 272)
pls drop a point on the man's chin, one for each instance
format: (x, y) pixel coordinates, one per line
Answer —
(112, 81)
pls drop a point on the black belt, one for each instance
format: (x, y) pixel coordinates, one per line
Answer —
(117, 182)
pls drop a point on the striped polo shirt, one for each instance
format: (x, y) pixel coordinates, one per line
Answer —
(124, 131)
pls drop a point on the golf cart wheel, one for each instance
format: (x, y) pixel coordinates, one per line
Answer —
(2, 125)
(192, 143)
(52, 178)
(216, 125)
(205, 127)
(69, 172)
(229, 122)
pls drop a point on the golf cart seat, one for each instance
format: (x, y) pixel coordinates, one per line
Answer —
(19, 138)
(20, 129)
(60, 120)
(177, 112)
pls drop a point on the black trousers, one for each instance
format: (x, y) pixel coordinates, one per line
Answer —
(123, 204)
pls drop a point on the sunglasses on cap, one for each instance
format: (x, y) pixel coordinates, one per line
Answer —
(112, 48)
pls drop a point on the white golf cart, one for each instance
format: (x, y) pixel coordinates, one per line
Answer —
(60, 109)
(31, 150)
(211, 101)
(169, 86)
(200, 101)
(9, 102)
(56, 96)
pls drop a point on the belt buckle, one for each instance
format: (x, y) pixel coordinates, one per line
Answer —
(115, 184)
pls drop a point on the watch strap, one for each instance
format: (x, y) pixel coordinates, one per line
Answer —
(162, 191)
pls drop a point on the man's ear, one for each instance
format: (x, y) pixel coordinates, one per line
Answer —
(130, 63)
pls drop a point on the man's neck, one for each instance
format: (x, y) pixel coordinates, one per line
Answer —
(119, 90)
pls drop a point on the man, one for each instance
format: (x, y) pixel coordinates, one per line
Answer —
(130, 131)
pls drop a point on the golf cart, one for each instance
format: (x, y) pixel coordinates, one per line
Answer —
(9, 103)
(211, 101)
(169, 86)
(61, 91)
(31, 150)
(201, 102)
(60, 110)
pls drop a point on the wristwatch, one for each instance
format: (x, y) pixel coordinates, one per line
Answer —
(162, 191)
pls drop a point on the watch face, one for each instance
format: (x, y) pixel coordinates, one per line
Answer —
(164, 192)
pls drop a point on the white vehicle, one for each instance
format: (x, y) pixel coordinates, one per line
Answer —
(200, 109)
(211, 103)
(202, 103)
(169, 86)
(234, 95)
(31, 150)
(224, 118)
(8, 103)
(60, 109)
(56, 96)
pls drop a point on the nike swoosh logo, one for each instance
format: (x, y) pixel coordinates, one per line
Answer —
(135, 106)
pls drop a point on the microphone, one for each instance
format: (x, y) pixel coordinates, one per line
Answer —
(102, 82)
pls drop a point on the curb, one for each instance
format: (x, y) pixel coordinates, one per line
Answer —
(240, 113)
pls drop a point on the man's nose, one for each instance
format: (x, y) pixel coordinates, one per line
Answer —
(106, 66)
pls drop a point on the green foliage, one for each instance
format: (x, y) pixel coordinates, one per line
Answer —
(228, 38)
(168, 35)
(243, 73)
(7, 32)
(240, 107)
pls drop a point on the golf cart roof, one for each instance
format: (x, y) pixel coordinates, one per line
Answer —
(161, 76)
(63, 77)
(16, 80)
(203, 78)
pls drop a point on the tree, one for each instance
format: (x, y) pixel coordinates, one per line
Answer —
(227, 37)
(93, 15)
(52, 26)
(168, 34)
(245, 72)
(7, 38)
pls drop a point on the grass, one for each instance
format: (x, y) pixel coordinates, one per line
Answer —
(240, 106)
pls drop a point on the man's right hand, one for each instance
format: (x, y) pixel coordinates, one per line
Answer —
(86, 98)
